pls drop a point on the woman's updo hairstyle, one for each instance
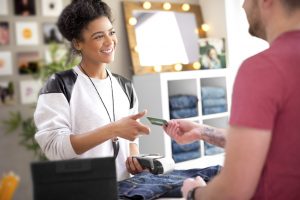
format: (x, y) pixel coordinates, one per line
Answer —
(77, 15)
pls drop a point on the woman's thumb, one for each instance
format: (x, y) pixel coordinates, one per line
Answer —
(138, 115)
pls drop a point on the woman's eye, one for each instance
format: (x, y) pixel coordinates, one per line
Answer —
(99, 37)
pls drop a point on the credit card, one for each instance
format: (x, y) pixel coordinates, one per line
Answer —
(157, 121)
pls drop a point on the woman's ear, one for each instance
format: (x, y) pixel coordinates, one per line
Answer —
(76, 45)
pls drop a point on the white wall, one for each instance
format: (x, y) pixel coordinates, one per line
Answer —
(227, 18)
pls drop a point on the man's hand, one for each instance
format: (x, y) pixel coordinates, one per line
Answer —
(190, 184)
(183, 131)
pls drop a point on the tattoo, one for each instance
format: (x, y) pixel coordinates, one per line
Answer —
(214, 136)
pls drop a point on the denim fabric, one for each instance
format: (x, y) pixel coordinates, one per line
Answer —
(214, 102)
(183, 113)
(212, 92)
(182, 101)
(212, 149)
(180, 157)
(149, 186)
(214, 109)
(179, 148)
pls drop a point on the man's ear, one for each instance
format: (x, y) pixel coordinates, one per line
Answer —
(76, 45)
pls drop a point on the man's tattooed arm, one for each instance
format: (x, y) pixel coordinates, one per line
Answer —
(214, 136)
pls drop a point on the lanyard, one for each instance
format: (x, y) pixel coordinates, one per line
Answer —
(115, 141)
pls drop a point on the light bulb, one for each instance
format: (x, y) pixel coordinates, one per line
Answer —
(205, 27)
(196, 65)
(157, 68)
(185, 7)
(167, 6)
(178, 67)
(132, 21)
(146, 5)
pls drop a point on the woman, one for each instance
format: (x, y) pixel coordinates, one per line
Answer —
(88, 111)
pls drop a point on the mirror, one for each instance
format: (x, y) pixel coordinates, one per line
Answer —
(161, 39)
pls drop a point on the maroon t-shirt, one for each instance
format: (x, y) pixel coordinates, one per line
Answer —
(266, 96)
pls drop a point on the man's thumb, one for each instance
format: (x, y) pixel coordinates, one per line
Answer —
(138, 115)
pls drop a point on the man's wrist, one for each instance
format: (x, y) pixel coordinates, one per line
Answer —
(191, 194)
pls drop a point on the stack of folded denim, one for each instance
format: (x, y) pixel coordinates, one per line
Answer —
(185, 152)
(183, 106)
(213, 100)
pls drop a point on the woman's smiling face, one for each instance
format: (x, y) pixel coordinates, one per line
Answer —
(99, 41)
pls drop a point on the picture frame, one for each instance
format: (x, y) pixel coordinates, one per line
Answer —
(24, 8)
(27, 33)
(212, 53)
(7, 93)
(4, 7)
(51, 8)
(28, 62)
(51, 34)
(5, 63)
(4, 33)
(29, 90)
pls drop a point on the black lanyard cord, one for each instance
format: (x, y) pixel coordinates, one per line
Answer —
(115, 141)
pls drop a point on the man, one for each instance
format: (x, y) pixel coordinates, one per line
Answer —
(263, 140)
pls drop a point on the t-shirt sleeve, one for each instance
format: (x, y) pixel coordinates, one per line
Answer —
(256, 94)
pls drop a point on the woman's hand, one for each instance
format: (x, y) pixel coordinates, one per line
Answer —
(133, 166)
(130, 128)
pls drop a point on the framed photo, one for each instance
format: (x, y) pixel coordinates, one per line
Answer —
(28, 62)
(5, 63)
(24, 8)
(29, 91)
(212, 53)
(7, 93)
(51, 33)
(4, 33)
(52, 7)
(27, 33)
(3, 7)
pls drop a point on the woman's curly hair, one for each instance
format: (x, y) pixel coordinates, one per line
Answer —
(77, 15)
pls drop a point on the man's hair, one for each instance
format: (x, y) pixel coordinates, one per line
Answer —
(76, 16)
(291, 5)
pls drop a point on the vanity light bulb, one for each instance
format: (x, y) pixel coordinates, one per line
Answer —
(178, 67)
(205, 27)
(136, 49)
(146, 5)
(157, 68)
(132, 21)
(196, 65)
(186, 7)
(167, 6)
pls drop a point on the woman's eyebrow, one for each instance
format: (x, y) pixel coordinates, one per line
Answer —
(99, 32)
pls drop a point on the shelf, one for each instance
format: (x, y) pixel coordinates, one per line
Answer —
(202, 162)
(214, 116)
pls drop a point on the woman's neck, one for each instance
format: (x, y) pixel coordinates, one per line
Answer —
(97, 71)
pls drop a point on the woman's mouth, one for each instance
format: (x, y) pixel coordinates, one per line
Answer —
(107, 51)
